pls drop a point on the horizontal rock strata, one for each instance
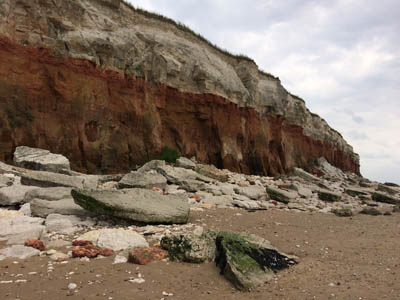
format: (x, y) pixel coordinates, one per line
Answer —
(111, 94)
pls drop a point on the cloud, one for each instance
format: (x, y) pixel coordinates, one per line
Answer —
(341, 56)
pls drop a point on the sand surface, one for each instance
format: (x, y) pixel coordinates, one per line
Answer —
(339, 258)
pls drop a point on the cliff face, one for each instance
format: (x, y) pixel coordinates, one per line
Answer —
(109, 87)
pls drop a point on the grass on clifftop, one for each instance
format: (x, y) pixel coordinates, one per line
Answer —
(183, 27)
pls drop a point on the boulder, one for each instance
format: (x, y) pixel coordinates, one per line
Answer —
(18, 252)
(145, 180)
(281, 195)
(43, 208)
(116, 239)
(303, 191)
(305, 175)
(227, 188)
(191, 248)
(152, 165)
(329, 170)
(212, 172)
(254, 192)
(63, 224)
(49, 194)
(328, 196)
(26, 210)
(354, 192)
(250, 204)
(14, 194)
(138, 205)
(6, 181)
(120, 239)
(383, 198)
(247, 260)
(185, 163)
(17, 229)
(387, 189)
(39, 159)
(48, 179)
(219, 201)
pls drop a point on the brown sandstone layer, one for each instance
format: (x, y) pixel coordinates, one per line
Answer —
(109, 121)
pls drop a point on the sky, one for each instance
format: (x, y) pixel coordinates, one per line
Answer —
(341, 56)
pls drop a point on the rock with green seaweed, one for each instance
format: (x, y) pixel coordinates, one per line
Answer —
(248, 260)
(191, 248)
(342, 212)
(245, 260)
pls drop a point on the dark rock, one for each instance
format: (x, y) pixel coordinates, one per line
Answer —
(371, 211)
(329, 196)
(281, 195)
(383, 198)
(343, 212)
(248, 261)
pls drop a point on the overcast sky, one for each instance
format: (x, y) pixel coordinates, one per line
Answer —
(341, 56)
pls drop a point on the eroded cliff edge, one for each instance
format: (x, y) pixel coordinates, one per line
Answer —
(109, 87)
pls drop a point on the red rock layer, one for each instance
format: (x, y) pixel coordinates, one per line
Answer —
(106, 121)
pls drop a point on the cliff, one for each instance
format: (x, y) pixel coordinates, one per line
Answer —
(109, 86)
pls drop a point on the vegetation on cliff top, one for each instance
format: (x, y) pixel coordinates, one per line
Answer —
(185, 28)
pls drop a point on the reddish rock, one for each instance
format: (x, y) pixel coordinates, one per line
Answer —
(107, 252)
(34, 243)
(89, 251)
(196, 197)
(274, 202)
(143, 256)
(81, 243)
(283, 186)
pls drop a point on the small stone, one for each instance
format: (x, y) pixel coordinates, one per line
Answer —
(35, 243)
(72, 286)
(143, 256)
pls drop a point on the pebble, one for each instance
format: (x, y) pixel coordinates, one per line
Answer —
(137, 280)
(72, 286)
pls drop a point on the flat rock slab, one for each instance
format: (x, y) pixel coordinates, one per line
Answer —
(212, 172)
(185, 163)
(40, 159)
(384, 198)
(18, 252)
(354, 191)
(49, 194)
(17, 229)
(5, 181)
(14, 194)
(328, 196)
(144, 180)
(281, 195)
(253, 192)
(116, 239)
(305, 175)
(138, 205)
(43, 208)
(48, 179)
(64, 224)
